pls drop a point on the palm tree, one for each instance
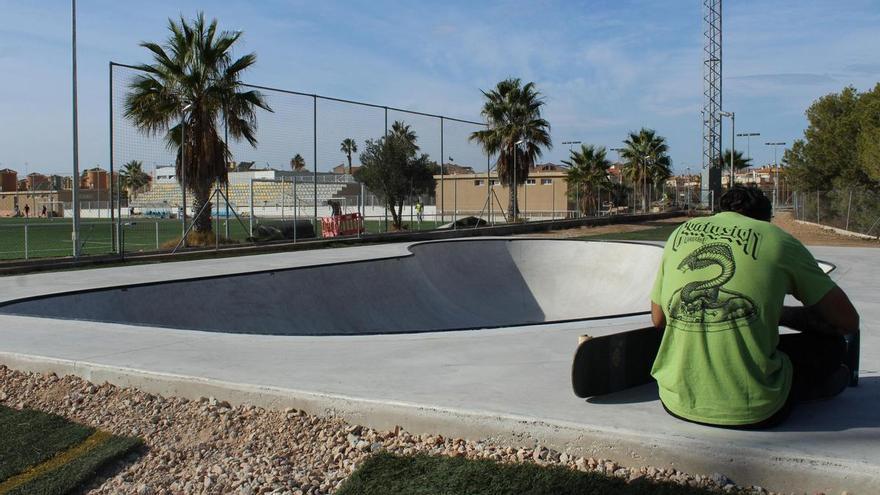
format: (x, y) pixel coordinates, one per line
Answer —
(297, 163)
(194, 80)
(587, 170)
(739, 161)
(513, 115)
(646, 161)
(402, 130)
(132, 177)
(348, 146)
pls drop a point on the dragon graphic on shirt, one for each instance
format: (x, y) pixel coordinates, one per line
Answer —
(706, 300)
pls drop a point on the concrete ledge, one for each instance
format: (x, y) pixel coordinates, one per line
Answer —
(744, 465)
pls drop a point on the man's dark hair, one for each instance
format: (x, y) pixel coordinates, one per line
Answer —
(749, 201)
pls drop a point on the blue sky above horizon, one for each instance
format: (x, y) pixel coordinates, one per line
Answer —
(604, 67)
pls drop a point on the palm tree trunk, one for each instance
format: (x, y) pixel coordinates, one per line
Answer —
(202, 203)
(349, 164)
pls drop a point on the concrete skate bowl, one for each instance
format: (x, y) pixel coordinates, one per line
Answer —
(444, 285)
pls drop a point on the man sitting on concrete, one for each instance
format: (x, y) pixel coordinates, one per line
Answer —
(719, 295)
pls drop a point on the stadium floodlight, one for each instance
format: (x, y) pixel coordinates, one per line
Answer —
(748, 136)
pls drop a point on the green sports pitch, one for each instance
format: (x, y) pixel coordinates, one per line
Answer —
(35, 238)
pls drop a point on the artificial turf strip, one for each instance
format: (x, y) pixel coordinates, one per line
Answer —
(439, 475)
(31, 437)
(65, 457)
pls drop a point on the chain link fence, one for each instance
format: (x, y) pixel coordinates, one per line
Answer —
(296, 175)
(852, 210)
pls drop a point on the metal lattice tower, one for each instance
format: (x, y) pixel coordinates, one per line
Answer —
(711, 176)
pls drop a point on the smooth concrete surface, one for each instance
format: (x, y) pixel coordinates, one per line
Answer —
(511, 384)
(440, 285)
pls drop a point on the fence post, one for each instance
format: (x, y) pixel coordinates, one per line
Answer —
(817, 206)
(157, 234)
(282, 198)
(217, 218)
(294, 209)
(848, 208)
(454, 204)
(251, 219)
(25, 242)
(315, 160)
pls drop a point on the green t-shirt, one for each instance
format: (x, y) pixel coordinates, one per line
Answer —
(721, 284)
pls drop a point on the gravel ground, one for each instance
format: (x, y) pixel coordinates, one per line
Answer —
(207, 446)
(813, 235)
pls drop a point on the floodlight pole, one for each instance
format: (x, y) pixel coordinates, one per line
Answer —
(748, 136)
(732, 116)
(776, 179)
(75, 194)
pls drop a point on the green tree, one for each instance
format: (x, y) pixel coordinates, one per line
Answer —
(512, 112)
(392, 169)
(841, 144)
(298, 163)
(132, 178)
(348, 146)
(194, 78)
(587, 170)
(646, 161)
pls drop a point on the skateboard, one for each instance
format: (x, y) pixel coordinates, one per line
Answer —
(603, 365)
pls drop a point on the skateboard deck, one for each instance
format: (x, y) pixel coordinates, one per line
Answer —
(603, 365)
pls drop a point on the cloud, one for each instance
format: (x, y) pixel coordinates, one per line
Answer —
(863, 69)
(798, 79)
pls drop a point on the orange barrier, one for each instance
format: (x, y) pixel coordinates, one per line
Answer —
(349, 224)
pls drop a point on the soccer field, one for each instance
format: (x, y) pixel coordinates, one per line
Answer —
(42, 238)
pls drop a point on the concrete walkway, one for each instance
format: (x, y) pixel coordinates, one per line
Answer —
(510, 384)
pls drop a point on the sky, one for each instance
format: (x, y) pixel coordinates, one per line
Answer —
(605, 68)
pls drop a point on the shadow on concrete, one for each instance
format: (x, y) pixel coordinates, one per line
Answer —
(642, 393)
(854, 408)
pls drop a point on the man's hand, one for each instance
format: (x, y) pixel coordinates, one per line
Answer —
(834, 314)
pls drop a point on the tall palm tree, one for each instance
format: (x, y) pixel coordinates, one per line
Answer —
(194, 80)
(297, 163)
(132, 177)
(348, 146)
(513, 114)
(587, 170)
(646, 161)
(402, 130)
(739, 161)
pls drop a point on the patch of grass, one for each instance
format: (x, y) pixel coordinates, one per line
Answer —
(44, 453)
(655, 234)
(426, 475)
(31, 437)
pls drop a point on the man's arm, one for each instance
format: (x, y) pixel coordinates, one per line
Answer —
(657, 316)
(834, 314)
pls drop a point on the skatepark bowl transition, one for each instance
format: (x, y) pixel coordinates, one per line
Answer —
(467, 337)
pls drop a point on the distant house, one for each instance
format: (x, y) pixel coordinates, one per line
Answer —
(342, 168)
(8, 180)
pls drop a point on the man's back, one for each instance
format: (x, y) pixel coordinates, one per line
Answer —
(721, 286)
